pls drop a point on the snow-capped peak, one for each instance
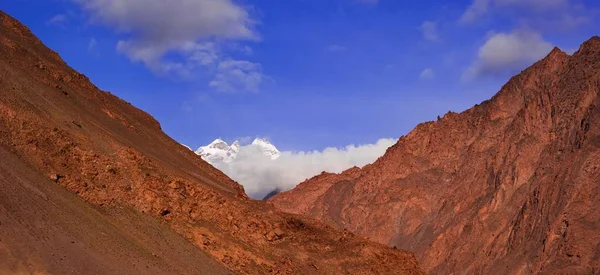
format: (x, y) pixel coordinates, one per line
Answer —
(236, 146)
(220, 151)
(267, 148)
(261, 141)
(218, 143)
(218, 140)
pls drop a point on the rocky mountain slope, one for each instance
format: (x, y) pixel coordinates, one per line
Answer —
(510, 186)
(46, 229)
(61, 130)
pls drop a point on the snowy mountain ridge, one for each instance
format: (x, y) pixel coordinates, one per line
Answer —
(267, 148)
(219, 151)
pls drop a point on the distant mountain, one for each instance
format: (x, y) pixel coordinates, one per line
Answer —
(267, 148)
(271, 194)
(219, 151)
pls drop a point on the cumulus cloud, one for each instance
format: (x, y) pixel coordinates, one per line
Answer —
(479, 8)
(543, 15)
(549, 15)
(427, 74)
(260, 175)
(475, 10)
(429, 31)
(174, 37)
(506, 53)
(235, 75)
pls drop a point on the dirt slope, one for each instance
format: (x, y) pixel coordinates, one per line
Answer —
(44, 228)
(509, 186)
(112, 154)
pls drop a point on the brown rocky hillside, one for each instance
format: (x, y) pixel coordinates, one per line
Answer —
(510, 186)
(58, 130)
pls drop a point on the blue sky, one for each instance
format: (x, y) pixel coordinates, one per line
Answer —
(307, 74)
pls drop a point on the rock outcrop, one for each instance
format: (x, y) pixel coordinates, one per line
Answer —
(114, 155)
(511, 185)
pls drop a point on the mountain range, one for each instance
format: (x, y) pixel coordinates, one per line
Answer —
(89, 184)
(509, 186)
(219, 151)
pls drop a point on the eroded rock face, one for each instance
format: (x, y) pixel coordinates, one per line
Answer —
(112, 154)
(509, 186)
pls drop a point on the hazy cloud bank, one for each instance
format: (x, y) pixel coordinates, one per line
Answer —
(260, 175)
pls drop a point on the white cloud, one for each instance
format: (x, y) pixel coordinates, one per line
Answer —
(336, 48)
(259, 174)
(427, 74)
(235, 75)
(246, 50)
(59, 19)
(538, 5)
(92, 44)
(475, 10)
(430, 31)
(186, 106)
(479, 8)
(506, 53)
(175, 37)
(173, 22)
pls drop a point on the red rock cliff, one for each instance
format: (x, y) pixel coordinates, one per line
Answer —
(511, 185)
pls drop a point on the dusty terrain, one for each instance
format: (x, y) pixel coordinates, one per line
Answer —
(510, 186)
(57, 128)
(46, 229)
